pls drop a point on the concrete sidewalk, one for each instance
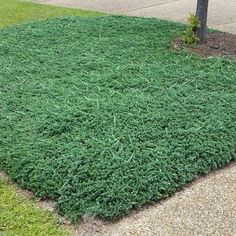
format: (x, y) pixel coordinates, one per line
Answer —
(205, 208)
(222, 13)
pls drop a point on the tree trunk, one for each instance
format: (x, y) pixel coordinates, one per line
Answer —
(201, 13)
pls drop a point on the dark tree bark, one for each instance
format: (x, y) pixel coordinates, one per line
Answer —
(201, 13)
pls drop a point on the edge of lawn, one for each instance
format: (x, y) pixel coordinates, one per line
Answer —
(21, 214)
(16, 12)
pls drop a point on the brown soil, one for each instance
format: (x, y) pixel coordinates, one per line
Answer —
(218, 44)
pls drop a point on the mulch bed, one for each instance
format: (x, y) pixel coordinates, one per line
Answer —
(218, 44)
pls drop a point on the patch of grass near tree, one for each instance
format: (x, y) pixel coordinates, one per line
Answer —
(14, 12)
(20, 216)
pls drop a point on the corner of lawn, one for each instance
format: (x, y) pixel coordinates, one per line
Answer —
(14, 12)
(21, 216)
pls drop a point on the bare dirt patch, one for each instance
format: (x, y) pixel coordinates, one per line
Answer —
(218, 44)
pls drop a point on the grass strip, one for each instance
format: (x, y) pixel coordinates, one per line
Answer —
(20, 216)
(14, 12)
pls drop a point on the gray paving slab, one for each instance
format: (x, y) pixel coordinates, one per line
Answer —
(222, 13)
(108, 6)
(227, 27)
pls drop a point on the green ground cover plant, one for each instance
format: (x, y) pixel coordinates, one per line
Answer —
(20, 216)
(14, 12)
(103, 115)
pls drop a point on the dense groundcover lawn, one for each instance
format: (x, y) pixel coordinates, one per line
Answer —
(104, 116)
